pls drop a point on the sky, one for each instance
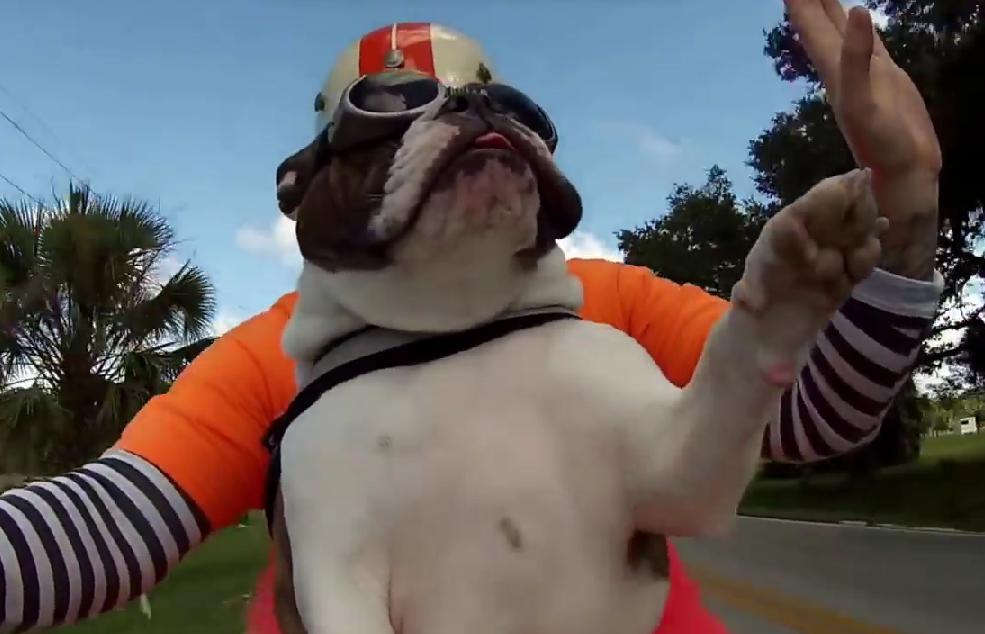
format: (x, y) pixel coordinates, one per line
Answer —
(192, 105)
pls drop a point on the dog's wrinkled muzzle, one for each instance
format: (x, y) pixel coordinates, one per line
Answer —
(458, 126)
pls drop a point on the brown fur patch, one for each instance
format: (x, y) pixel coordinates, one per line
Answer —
(285, 605)
(512, 534)
(334, 213)
(646, 553)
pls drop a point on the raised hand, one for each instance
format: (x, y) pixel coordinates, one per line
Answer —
(884, 121)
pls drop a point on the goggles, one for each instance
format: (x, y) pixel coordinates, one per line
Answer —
(384, 105)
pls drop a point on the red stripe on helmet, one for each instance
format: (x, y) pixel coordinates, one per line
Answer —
(414, 39)
(373, 48)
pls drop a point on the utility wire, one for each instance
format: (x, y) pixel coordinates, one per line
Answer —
(20, 189)
(27, 136)
(44, 126)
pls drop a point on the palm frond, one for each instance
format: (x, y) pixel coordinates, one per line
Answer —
(84, 317)
(182, 309)
(31, 421)
(20, 226)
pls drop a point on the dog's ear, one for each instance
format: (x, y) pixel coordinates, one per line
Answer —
(561, 208)
(334, 207)
(296, 172)
(559, 216)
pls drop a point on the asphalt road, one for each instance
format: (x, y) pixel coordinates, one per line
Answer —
(779, 577)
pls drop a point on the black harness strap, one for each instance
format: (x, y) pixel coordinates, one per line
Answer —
(413, 353)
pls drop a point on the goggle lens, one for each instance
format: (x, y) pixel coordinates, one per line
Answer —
(394, 92)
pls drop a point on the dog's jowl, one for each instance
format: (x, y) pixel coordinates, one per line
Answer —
(464, 455)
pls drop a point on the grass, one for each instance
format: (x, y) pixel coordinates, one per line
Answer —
(944, 488)
(955, 447)
(206, 594)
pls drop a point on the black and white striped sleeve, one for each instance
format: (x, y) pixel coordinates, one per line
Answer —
(860, 363)
(83, 543)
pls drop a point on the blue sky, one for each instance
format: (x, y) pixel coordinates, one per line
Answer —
(193, 105)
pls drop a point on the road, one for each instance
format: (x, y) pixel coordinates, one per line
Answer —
(779, 577)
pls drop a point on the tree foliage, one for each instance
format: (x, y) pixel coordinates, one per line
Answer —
(702, 240)
(89, 330)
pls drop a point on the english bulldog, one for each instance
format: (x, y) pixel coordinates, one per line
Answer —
(524, 484)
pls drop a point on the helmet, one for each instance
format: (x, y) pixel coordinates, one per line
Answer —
(453, 58)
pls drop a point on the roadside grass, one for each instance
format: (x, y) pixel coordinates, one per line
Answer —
(206, 594)
(944, 488)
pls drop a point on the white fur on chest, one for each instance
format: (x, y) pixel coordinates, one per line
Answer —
(456, 485)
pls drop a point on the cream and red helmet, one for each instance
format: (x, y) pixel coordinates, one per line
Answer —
(453, 58)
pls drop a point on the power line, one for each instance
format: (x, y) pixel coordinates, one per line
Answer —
(19, 188)
(27, 136)
(44, 126)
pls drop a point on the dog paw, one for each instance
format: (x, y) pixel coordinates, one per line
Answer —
(817, 248)
(804, 265)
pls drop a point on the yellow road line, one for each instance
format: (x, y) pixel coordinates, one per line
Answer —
(795, 614)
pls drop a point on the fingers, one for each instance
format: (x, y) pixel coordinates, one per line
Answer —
(836, 13)
(819, 36)
(879, 47)
(792, 242)
(855, 88)
(862, 260)
(834, 192)
(865, 208)
(748, 298)
(829, 265)
(882, 226)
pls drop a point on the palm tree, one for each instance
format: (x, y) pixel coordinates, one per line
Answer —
(89, 328)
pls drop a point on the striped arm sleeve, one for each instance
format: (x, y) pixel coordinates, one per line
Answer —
(83, 543)
(860, 362)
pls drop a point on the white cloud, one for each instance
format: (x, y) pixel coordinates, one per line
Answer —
(582, 244)
(277, 240)
(225, 320)
(650, 142)
(879, 18)
(165, 269)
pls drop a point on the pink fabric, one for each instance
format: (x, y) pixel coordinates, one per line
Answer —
(683, 614)
(260, 617)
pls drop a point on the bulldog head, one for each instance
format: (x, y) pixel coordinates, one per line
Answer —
(463, 204)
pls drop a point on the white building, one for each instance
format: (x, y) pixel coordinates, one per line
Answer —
(967, 425)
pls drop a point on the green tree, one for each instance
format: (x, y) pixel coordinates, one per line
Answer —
(703, 239)
(88, 329)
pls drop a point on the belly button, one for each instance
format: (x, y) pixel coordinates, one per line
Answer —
(512, 534)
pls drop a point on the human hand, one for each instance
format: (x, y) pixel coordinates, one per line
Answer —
(885, 122)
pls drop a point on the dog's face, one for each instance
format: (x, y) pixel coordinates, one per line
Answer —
(463, 179)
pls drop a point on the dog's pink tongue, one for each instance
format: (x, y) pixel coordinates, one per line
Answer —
(492, 141)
